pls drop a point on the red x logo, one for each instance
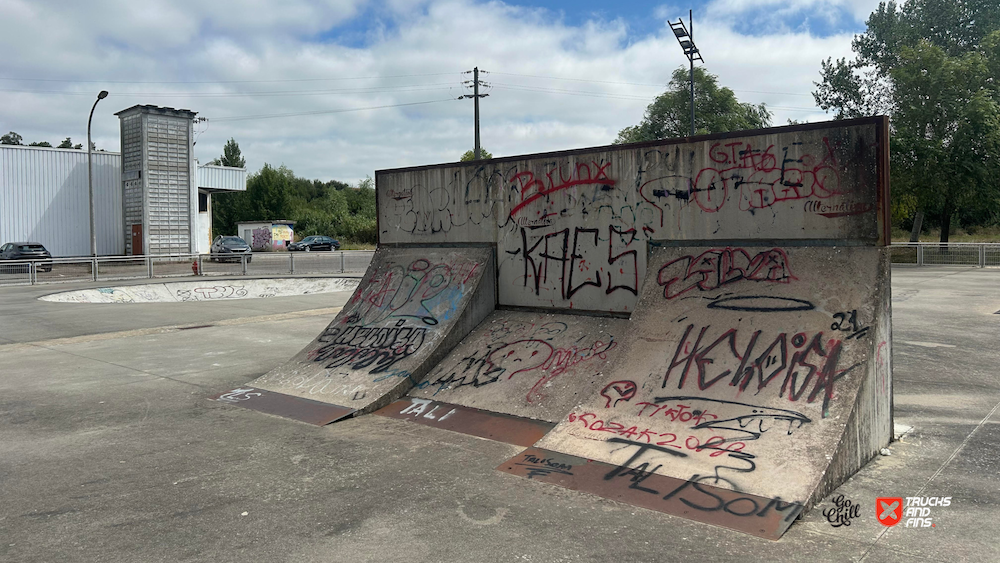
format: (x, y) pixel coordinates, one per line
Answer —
(889, 510)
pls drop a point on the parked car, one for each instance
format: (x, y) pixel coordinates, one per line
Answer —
(230, 248)
(26, 251)
(315, 242)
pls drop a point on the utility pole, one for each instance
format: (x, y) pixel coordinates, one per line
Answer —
(686, 39)
(475, 96)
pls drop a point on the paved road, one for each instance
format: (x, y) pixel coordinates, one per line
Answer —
(109, 450)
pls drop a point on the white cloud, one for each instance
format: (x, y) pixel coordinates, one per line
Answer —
(397, 52)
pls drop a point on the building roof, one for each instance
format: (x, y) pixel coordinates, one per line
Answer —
(158, 110)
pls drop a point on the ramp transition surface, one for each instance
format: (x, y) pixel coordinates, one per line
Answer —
(410, 308)
(747, 365)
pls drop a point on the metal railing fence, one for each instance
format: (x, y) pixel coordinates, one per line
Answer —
(974, 254)
(108, 268)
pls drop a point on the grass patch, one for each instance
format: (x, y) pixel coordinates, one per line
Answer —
(357, 246)
(977, 234)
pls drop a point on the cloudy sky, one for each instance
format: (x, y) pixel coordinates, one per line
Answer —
(336, 89)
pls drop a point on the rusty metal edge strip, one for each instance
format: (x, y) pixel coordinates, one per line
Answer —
(301, 409)
(500, 427)
(769, 518)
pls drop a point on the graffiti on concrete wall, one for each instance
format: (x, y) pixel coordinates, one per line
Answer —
(734, 357)
(572, 231)
(393, 314)
(518, 349)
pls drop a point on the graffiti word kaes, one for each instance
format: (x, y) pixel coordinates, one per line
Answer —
(542, 467)
(418, 407)
(717, 267)
(552, 263)
(807, 365)
(360, 347)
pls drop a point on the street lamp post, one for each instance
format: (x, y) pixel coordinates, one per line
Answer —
(90, 175)
(686, 40)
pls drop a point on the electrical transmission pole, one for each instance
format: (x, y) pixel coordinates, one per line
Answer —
(475, 96)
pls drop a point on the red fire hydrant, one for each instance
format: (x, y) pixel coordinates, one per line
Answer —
(194, 267)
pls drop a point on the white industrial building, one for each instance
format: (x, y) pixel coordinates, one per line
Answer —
(160, 205)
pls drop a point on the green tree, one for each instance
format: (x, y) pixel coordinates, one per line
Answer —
(716, 110)
(68, 144)
(231, 155)
(470, 155)
(11, 138)
(331, 208)
(932, 65)
(947, 134)
(40, 144)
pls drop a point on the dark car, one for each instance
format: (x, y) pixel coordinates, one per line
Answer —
(315, 242)
(230, 248)
(26, 251)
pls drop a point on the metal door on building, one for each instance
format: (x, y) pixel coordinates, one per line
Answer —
(137, 240)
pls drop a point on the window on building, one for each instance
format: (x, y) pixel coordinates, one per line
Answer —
(202, 202)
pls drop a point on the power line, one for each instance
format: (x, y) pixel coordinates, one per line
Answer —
(635, 83)
(223, 81)
(323, 112)
(368, 90)
(568, 92)
(581, 79)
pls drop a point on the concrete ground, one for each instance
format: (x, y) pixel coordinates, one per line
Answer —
(110, 451)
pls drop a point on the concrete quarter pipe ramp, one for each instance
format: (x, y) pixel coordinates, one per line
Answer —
(410, 308)
(746, 382)
(697, 326)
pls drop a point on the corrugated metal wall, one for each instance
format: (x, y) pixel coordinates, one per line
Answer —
(222, 177)
(131, 127)
(168, 184)
(44, 198)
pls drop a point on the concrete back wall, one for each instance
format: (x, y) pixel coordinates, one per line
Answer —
(571, 228)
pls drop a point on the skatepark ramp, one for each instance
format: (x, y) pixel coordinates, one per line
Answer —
(698, 326)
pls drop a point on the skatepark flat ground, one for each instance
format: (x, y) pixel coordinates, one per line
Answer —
(110, 450)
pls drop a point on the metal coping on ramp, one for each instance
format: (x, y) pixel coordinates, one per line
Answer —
(694, 499)
(287, 406)
(464, 420)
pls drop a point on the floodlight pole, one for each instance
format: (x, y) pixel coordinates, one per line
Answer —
(90, 175)
(685, 37)
(691, 59)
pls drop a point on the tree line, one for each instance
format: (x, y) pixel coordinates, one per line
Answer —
(13, 138)
(331, 208)
(932, 66)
